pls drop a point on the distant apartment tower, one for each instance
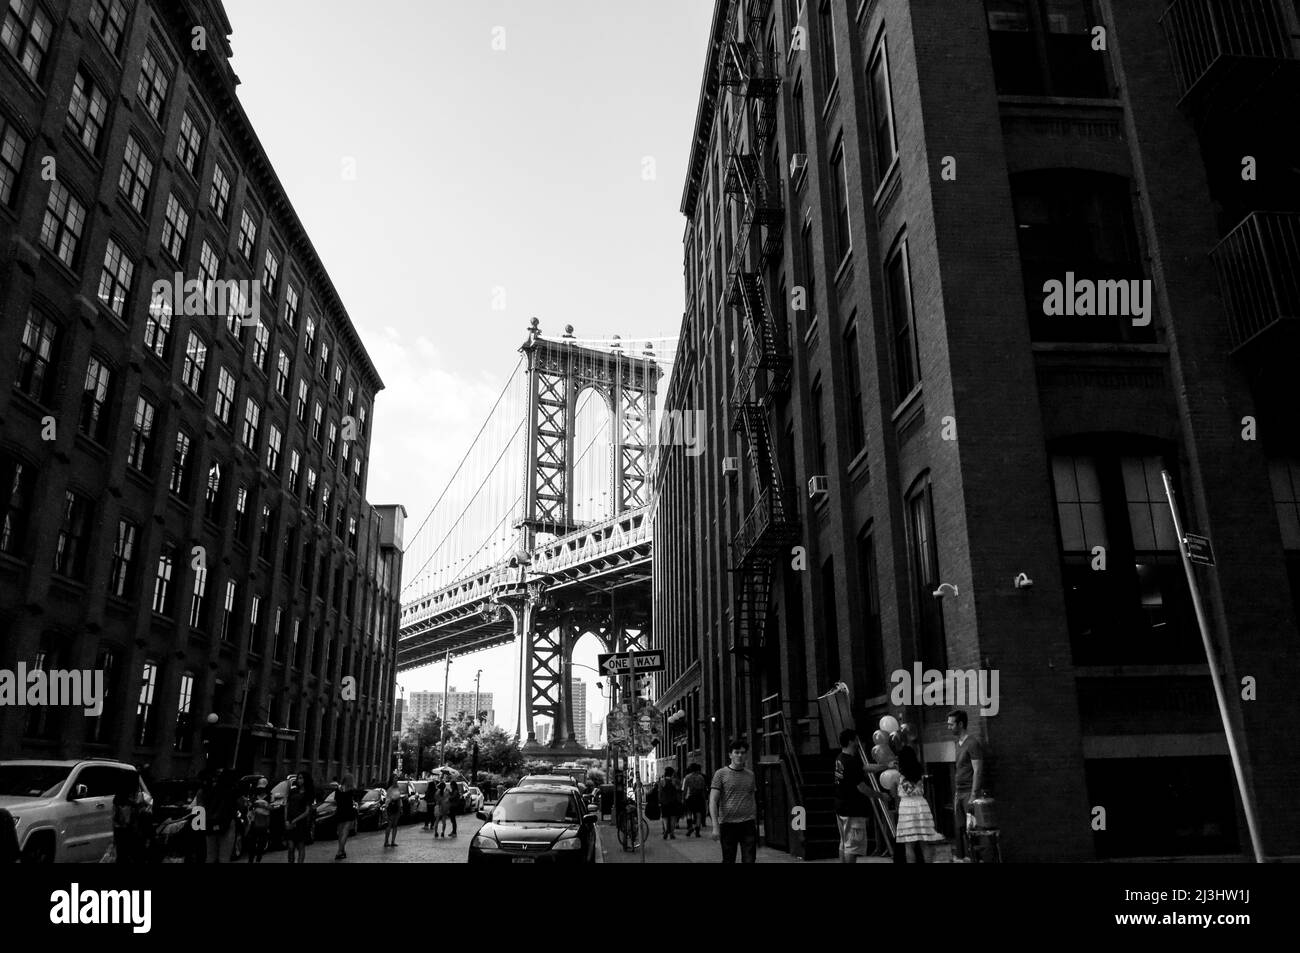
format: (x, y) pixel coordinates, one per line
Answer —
(458, 703)
(542, 731)
(581, 717)
(900, 404)
(184, 493)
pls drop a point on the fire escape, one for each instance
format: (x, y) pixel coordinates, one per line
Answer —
(749, 72)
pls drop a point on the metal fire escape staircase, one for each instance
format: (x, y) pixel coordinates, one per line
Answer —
(771, 525)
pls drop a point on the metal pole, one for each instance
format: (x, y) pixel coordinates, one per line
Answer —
(442, 732)
(478, 724)
(1247, 802)
(239, 731)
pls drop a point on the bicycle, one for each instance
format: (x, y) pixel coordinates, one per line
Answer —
(633, 830)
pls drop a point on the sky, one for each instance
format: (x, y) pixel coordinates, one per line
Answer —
(461, 168)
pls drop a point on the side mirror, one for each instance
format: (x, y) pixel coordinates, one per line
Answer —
(483, 815)
(79, 792)
(591, 817)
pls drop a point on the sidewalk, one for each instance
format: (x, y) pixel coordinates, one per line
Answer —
(691, 850)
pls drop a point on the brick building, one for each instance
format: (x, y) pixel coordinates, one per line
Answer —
(875, 205)
(184, 478)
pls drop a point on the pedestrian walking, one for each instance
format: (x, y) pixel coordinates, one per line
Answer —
(345, 800)
(219, 805)
(734, 808)
(670, 803)
(852, 797)
(392, 812)
(968, 778)
(129, 821)
(299, 805)
(915, 826)
(695, 798)
(427, 800)
(442, 804)
(455, 804)
(259, 823)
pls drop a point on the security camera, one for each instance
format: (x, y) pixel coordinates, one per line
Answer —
(1022, 581)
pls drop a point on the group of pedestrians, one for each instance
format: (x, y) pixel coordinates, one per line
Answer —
(445, 801)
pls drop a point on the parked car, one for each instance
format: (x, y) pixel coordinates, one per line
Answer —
(63, 809)
(326, 815)
(407, 789)
(174, 811)
(536, 823)
(474, 800)
(370, 811)
(419, 798)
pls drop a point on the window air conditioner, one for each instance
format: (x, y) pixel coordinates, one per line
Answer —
(730, 466)
(818, 486)
(798, 162)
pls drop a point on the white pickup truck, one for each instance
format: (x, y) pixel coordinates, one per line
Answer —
(63, 810)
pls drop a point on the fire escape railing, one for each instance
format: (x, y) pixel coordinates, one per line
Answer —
(1258, 264)
(1203, 32)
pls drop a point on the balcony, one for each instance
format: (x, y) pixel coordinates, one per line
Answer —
(1258, 264)
(1229, 45)
(770, 527)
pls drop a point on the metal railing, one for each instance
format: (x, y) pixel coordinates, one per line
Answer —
(629, 528)
(1258, 264)
(1201, 32)
(770, 511)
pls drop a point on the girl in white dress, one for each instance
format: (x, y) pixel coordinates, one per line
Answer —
(915, 822)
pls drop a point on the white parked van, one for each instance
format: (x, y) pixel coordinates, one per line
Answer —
(63, 810)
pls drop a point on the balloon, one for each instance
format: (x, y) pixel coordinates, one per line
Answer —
(907, 731)
(880, 738)
(881, 755)
(896, 741)
(888, 723)
(889, 779)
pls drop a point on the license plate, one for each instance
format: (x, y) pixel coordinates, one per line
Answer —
(523, 860)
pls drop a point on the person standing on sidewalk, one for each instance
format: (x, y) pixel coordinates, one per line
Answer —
(345, 814)
(259, 827)
(852, 797)
(455, 803)
(670, 802)
(299, 804)
(695, 793)
(969, 777)
(392, 811)
(733, 805)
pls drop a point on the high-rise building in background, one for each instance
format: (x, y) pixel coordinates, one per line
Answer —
(581, 717)
(542, 729)
(962, 279)
(184, 474)
(421, 704)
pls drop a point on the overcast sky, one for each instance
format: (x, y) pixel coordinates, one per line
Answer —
(529, 153)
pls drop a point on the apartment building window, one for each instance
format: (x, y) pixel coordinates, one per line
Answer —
(196, 360)
(323, 368)
(137, 172)
(212, 497)
(37, 356)
(873, 648)
(87, 110)
(241, 514)
(261, 344)
(880, 89)
(309, 338)
(853, 381)
(1285, 478)
(270, 273)
(295, 461)
(198, 599)
(352, 533)
(115, 279)
(189, 144)
(282, 375)
(73, 536)
(219, 194)
(225, 399)
(317, 417)
(287, 564)
(341, 516)
(26, 34)
(16, 481)
(179, 480)
(277, 632)
(13, 148)
(158, 326)
(144, 720)
(137, 455)
(209, 265)
(830, 642)
(361, 421)
(247, 235)
(311, 488)
(304, 395)
(108, 18)
(840, 185)
(338, 378)
(176, 226)
(164, 596)
(152, 88)
(826, 45)
(254, 624)
(800, 127)
(1112, 513)
(925, 574)
(1044, 48)
(120, 575)
(228, 613)
(183, 739)
(819, 433)
(357, 467)
(65, 217)
(324, 503)
(237, 308)
(898, 289)
(266, 533)
(345, 454)
(291, 307)
(93, 421)
(809, 276)
(331, 441)
(38, 723)
(105, 661)
(274, 441)
(1080, 223)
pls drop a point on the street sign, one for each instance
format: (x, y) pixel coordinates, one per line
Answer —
(1198, 549)
(617, 664)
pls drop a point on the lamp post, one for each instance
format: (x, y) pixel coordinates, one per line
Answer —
(478, 724)
(442, 728)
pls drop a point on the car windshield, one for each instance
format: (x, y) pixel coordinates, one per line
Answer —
(32, 780)
(527, 807)
(374, 794)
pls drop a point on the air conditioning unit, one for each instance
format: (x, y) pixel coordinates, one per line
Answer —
(730, 466)
(798, 163)
(819, 485)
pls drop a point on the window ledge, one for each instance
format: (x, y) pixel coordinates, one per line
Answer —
(1015, 99)
(832, 98)
(812, 329)
(857, 462)
(845, 265)
(907, 403)
(887, 181)
(1101, 347)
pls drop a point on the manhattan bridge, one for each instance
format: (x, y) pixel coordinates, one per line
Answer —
(543, 533)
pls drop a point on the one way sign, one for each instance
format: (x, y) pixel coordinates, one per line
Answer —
(617, 664)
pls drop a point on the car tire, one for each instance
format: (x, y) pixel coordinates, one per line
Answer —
(39, 849)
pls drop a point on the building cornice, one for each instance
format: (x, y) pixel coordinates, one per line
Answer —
(705, 111)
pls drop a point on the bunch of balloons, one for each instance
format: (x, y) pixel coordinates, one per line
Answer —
(887, 741)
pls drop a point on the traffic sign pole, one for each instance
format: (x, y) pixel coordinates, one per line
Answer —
(1247, 802)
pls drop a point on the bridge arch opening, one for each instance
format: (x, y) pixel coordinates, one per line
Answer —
(593, 457)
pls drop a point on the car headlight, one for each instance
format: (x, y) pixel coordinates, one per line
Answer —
(485, 842)
(568, 842)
